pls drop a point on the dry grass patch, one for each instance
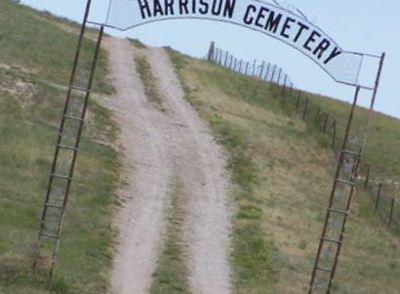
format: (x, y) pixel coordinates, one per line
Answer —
(282, 184)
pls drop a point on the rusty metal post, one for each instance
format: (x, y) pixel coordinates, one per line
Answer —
(333, 210)
(279, 76)
(231, 62)
(266, 74)
(391, 213)
(68, 97)
(284, 86)
(261, 70)
(273, 74)
(325, 122)
(291, 89)
(378, 198)
(317, 115)
(367, 178)
(56, 233)
(226, 59)
(211, 51)
(334, 134)
(372, 105)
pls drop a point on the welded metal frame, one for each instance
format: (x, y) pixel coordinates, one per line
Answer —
(42, 234)
(211, 53)
(351, 182)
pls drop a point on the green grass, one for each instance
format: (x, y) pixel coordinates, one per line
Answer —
(149, 81)
(36, 58)
(170, 276)
(282, 174)
(30, 41)
(383, 141)
(253, 251)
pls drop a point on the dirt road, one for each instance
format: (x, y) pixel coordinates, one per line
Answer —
(159, 146)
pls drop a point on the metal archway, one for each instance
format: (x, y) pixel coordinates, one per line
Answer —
(343, 66)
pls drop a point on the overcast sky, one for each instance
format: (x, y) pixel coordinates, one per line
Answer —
(369, 26)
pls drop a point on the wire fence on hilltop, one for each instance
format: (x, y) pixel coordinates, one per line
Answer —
(386, 207)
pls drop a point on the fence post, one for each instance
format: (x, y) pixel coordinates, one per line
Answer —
(211, 51)
(334, 134)
(247, 67)
(273, 74)
(230, 62)
(291, 89)
(298, 101)
(325, 122)
(367, 178)
(319, 118)
(284, 86)
(391, 213)
(261, 70)
(266, 74)
(240, 65)
(254, 67)
(226, 59)
(305, 108)
(319, 124)
(279, 76)
(234, 64)
(317, 115)
(215, 56)
(378, 196)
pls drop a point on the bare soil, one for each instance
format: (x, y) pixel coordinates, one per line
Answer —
(157, 147)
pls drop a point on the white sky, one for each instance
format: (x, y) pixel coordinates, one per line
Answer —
(369, 26)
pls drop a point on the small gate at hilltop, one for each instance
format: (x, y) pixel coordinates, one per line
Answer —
(289, 26)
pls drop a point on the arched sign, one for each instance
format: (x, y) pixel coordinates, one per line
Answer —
(287, 26)
(274, 21)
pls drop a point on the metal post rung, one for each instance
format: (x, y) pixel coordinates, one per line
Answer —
(80, 89)
(351, 152)
(345, 182)
(61, 177)
(68, 147)
(54, 205)
(338, 211)
(323, 269)
(331, 241)
(73, 118)
(54, 236)
(95, 23)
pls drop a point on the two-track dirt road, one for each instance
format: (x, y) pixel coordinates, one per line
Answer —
(157, 147)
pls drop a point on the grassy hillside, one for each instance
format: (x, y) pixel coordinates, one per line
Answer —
(282, 171)
(282, 176)
(35, 60)
(382, 149)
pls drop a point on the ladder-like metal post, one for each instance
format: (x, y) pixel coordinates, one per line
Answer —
(332, 210)
(333, 236)
(67, 147)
